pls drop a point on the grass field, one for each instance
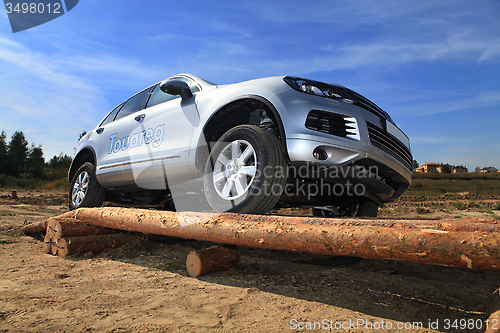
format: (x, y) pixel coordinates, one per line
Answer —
(438, 184)
(51, 182)
(426, 184)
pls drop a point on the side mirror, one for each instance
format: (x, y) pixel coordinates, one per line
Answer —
(177, 88)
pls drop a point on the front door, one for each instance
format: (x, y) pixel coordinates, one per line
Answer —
(160, 139)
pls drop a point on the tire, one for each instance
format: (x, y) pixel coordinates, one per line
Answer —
(368, 209)
(85, 190)
(245, 171)
(363, 209)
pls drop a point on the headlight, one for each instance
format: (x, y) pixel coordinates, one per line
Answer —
(320, 89)
(338, 93)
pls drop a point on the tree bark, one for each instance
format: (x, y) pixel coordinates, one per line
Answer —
(478, 249)
(34, 228)
(469, 243)
(213, 259)
(64, 228)
(92, 243)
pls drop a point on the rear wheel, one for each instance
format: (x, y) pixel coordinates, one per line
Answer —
(245, 172)
(85, 190)
(366, 209)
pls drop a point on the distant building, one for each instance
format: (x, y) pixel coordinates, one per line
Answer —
(428, 167)
(488, 169)
(459, 169)
(438, 167)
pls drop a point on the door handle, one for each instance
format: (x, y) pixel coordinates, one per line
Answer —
(99, 130)
(140, 118)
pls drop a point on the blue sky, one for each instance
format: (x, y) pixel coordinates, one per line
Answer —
(433, 65)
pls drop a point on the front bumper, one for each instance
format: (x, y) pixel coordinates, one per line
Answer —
(384, 177)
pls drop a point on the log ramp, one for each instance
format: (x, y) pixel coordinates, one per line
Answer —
(467, 243)
(471, 244)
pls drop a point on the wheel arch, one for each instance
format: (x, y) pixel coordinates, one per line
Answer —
(224, 118)
(83, 156)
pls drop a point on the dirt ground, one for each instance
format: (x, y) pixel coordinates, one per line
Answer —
(144, 286)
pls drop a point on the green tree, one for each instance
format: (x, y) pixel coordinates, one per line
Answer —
(445, 169)
(35, 163)
(3, 152)
(17, 154)
(60, 162)
(415, 165)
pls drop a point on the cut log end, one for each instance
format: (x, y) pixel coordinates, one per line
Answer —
(47, 243)
(62, 248)
(213, 259)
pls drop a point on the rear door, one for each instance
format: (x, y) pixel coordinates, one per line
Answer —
(113, 140)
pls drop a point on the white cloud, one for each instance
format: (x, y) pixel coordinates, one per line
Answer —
(42, 97)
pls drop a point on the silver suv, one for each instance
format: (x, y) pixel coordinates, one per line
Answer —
(189, 144)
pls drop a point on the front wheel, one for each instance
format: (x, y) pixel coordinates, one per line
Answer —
(245, 172)
(85, 190)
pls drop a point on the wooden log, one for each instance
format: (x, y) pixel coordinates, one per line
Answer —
(51, 230)
(92, 243)
(14, 194)
(47, 240)
(213, 259)
(72, 228)
(470, 249)
(34, 228)
(487, 225)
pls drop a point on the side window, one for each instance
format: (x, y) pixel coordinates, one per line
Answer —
(111, 115)
(158, 96)
(134, 104)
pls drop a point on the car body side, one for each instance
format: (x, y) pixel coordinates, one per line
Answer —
(287, 107)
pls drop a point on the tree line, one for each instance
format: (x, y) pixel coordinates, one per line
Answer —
(19, 159)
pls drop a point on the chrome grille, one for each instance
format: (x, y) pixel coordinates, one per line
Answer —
(386, 142)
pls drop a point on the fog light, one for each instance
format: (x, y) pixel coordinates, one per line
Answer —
(320, 154)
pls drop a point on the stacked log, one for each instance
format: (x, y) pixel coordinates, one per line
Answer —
(92, 243)
(65, 235)
(61, 229)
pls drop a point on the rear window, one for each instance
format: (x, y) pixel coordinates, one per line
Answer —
(111, 115)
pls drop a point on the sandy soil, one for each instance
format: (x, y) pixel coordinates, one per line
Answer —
(144, 287)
